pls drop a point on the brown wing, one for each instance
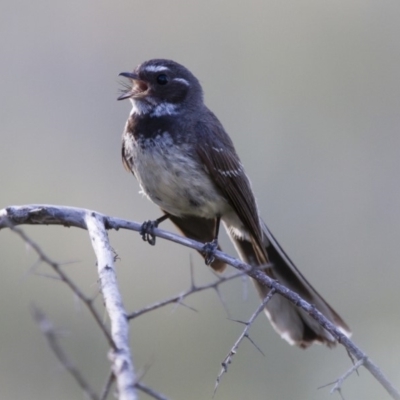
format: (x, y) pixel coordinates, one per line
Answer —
(224, 166)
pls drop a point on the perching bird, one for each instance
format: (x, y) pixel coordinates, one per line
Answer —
(186, 163)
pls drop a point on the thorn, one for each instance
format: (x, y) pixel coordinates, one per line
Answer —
(254, 344)
(181, 303)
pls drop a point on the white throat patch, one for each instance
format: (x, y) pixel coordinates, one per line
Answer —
(163, 109)
(159, 110)
(140, 107)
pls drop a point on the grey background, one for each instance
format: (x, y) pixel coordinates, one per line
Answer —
(309, 92)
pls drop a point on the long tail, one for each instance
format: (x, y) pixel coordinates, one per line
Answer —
(291, 323)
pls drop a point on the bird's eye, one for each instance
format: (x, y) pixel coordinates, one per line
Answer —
(162, 79)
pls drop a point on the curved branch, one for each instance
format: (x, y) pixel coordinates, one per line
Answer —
(119, 355)
(70, 216)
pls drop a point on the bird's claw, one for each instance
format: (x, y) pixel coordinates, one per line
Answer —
(147, 231)
(209, 251)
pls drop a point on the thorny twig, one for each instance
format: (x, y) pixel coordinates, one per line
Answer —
(70, 216)
(64, 278)
(337, 385)
(179, 298)
(228, 359)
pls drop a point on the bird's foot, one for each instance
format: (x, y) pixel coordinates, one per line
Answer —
(209, 251)
(147, 231)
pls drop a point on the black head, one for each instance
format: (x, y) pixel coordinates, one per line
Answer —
(164, 84)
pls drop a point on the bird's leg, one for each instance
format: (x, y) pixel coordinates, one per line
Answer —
(147, 229)
(209, 248)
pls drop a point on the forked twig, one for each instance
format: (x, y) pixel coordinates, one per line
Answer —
(69, 216)
(179, 298)
(43, 257)
(228, 359)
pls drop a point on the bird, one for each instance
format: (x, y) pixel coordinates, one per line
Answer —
(186, 163)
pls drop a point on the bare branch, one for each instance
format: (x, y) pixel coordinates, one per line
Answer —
(119, 339)
(178, 298)
(107, 387)
(228, 359)
(151, 392)
(339, 382)
(69, 216)
(49, 332)
(120, 355)
(64, 278)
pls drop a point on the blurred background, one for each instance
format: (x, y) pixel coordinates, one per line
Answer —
(310, 94)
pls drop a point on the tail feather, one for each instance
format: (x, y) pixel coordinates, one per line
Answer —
(292, 323)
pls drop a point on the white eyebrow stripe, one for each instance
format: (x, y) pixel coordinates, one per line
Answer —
(184, 81)
(156, 68)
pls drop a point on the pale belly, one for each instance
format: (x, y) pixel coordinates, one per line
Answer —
(175, 181)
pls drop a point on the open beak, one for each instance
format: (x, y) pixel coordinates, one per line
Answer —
(130, 75)
(138, 87)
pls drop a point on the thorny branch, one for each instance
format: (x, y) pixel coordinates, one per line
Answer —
(118, 338)
(180, 297)
(69, 282)
(69, 216)
(244, 334)
(337, 385)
